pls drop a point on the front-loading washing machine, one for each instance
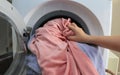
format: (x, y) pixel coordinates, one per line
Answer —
(94, 17)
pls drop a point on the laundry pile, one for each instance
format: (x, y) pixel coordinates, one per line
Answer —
(56, 55)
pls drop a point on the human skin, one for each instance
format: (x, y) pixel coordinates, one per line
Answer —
(110, 42)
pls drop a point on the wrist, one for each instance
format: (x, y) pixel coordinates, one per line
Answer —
(89, 39)
(84, 39)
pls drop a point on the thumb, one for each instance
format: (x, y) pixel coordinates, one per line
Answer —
(72, 27)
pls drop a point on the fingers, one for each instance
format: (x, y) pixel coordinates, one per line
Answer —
(75, 28)
(71, 38)
(72, 26)
(75, 25)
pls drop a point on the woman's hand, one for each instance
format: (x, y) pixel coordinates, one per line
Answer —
(79, 34)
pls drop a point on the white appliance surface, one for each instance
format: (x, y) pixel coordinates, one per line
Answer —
(96, 13)
(12, 15)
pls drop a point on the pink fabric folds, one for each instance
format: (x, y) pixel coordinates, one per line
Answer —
(55, 54)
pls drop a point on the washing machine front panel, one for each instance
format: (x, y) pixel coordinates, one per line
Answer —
(12, 51)
(97, 23)
(84, 13)
(96, 13)
(102, 9)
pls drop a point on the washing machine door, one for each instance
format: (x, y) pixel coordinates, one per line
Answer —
(12, 51)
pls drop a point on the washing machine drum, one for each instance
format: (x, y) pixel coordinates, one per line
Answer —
(60, 14)
(91, 50)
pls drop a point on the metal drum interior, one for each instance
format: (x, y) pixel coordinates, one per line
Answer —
(80, 14)
(60, 14)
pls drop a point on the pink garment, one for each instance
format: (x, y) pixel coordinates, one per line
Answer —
(56, 55)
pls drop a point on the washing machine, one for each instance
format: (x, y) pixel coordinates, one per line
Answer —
(93, 16)
(12, 50)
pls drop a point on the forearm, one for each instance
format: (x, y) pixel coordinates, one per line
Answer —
(111, 42)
